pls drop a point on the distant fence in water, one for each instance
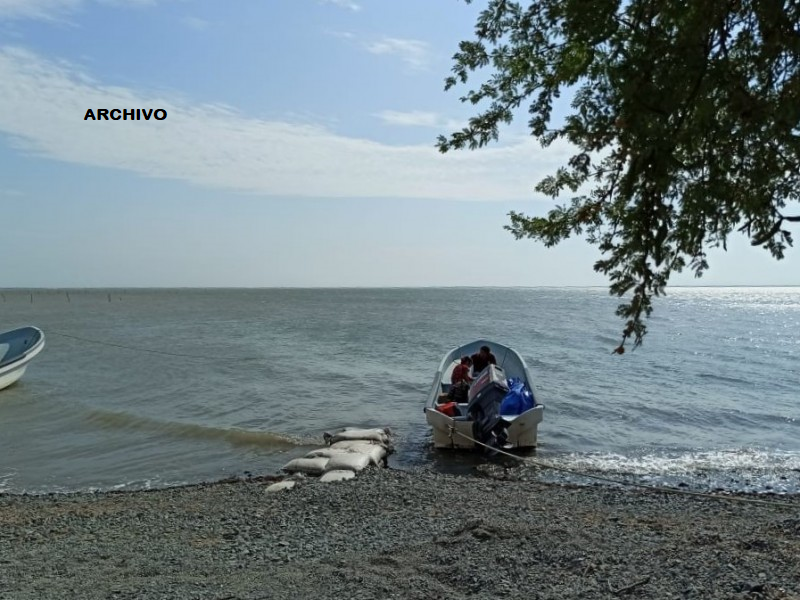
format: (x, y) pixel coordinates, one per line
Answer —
(31, 296)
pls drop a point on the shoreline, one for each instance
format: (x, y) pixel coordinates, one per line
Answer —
(489, 472)
(397, 534)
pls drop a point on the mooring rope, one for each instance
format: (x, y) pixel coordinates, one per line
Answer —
(150, 350)
(651, 488)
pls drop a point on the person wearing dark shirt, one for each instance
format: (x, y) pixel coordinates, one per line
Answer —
(482, 359)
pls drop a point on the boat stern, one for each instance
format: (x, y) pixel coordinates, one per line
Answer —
(523, 429)
(446, 430)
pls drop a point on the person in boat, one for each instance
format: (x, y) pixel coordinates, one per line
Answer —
(482, 359)
(461, 371)
(460, 380)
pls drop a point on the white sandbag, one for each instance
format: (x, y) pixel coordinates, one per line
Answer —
(374, 435)
(327, 452)
(350, 444)
(310, 466)
(386, 430)
(339, 475)
(352, 461)
(281, 485)
(376, 452)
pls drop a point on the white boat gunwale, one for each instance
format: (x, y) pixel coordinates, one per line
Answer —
(22, 345)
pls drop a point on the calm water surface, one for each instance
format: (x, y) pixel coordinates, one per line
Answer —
(711, 400)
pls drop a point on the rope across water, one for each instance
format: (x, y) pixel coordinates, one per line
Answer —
(651, 488)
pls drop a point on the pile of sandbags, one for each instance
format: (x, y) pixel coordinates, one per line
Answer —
(348, 452)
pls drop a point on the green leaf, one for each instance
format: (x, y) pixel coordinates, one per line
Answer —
(685, 116)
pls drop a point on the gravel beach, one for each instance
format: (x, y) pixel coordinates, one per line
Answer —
(396, 534)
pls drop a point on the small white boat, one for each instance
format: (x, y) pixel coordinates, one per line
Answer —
(481, 418)
(17, 349)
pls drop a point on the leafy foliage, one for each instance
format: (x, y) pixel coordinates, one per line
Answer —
(685, 118)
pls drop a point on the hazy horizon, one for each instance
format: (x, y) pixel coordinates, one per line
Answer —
(297, 151)
(372, 287)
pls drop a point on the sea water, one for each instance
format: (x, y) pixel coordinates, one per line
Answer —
(148, 388)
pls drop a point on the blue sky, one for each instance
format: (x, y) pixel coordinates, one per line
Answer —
(298, 151)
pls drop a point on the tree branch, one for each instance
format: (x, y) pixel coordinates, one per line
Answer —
(776, 227)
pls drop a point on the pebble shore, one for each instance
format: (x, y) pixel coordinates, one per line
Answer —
(395, 534)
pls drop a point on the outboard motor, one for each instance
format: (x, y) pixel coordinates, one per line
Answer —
(483, 406)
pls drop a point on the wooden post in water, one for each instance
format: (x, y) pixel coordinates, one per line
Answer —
(31, 297)
(109, 297)
(68, 300)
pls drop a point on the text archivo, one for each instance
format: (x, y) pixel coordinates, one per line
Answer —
(125, 114)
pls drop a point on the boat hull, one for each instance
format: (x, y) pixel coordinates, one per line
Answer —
(17, 349)
(459, 432)
(11, 377)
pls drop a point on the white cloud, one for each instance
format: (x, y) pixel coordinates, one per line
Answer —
(418, 118)
(414, 118)
(345, 35)
(35, 8)
(195, 23)
(414, 53)
(48, 9)
(42, 108)
(348, 4)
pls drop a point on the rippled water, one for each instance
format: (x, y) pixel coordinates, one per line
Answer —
(711, 400)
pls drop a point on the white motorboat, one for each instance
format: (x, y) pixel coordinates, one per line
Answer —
(18, 348)
(502, 388)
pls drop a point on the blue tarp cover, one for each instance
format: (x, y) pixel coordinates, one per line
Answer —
(518, 399)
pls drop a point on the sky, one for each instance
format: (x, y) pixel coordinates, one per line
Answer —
(298, 150)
